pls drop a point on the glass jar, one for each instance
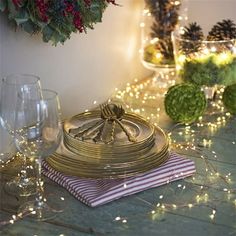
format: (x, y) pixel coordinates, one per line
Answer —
(159, 19)
(209, 64)
(206, 63)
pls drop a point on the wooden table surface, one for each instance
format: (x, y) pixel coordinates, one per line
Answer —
(184, 214)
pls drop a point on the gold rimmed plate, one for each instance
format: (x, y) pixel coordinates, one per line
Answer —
(138, 126)
(161, 142)
(101, 165)
(107, 172)
(89, 167)
(103, 154)
(71, 158)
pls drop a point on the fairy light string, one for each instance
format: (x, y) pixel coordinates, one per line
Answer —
(197, 139)
(194, 141)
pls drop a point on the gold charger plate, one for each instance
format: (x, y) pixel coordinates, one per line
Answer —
(109, 155)
(89, 163)
(71, 153)
(116, 167)
(108, 173)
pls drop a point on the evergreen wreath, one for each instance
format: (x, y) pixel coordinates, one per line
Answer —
(55, 19)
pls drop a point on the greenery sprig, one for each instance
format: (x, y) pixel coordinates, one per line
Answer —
(208, 72)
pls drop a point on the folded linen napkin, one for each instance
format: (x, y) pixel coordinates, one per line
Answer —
(95, 192)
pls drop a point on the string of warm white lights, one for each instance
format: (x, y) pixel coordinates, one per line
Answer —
(201, 198)
(140, 97)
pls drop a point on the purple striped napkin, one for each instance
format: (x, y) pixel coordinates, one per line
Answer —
(95, 192)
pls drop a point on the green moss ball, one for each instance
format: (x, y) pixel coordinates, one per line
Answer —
(185, 102)
(229, 98)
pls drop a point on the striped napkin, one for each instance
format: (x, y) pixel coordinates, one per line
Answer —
(95, 192)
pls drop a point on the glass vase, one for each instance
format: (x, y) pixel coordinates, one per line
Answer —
(209, 64)
(159, 19)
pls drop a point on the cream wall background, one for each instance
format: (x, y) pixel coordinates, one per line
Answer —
(90, 66)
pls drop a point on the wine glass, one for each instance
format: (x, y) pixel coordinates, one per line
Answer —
(7, 147)
(12, 87)
(38, 133)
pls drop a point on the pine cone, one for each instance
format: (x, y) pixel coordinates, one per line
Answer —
(223, 30)
(192, 33)
(165, 15)
(166, 48)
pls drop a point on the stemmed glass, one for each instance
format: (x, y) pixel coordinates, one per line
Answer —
(12, 87)
(156, 46)
(38, 133)
(159, 19)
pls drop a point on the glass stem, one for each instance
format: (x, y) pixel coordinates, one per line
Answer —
(23, 172)
(39, 184)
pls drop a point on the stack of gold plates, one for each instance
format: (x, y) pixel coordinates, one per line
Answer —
(118, 159)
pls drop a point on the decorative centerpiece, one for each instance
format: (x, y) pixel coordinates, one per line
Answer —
(56, 20)
(206, 62)
(160, 17)
(203, 65)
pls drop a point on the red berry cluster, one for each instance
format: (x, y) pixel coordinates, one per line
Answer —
(77, 19)
(78, 22)
(112, 1)
(16, 2)
(42, 9)
(69, 8)
(88, 2)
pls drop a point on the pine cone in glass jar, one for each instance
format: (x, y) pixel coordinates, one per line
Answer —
(193, 35)
(223, 30)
